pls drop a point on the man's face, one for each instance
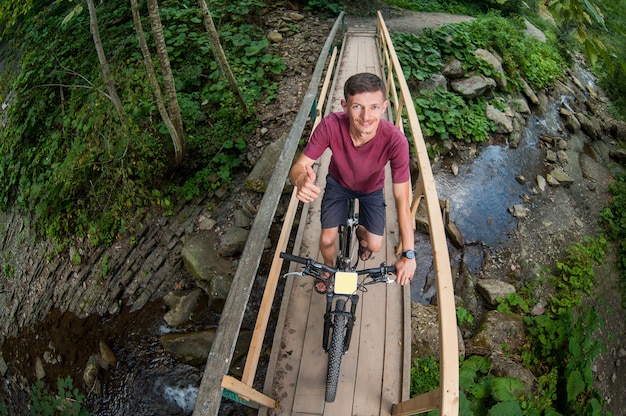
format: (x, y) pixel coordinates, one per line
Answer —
(364, 111)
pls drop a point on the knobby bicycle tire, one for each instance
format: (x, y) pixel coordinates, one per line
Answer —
(335, 352)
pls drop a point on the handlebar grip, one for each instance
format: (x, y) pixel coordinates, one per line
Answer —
(291, 257)
(391, 269)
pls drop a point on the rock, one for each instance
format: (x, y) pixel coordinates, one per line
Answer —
(519, 211)
(181, 304)
(262, 172)
(539, 308)
(520, 105)
(40, 372)
(296, 17)
(497, 329)
(191, 348)
(502, 366)
(495, 63)
(520, 179)
(590, 126)
(454, 234)
(551, 156)
(515, 138)
(435, 81)
(107, 356)
(503, 123)
(206, 223)
(618, 155)
(473, 86)
(91, 373)
(3, 367)
(530, 94)
(233, 241)
(532, 31)
(274, 36)
(455, 169)
(453, 69)
(541, 183)
(492, 290)
(242, 220)
(218, 292)
(199, 256)
(425, 332)
(559, 175)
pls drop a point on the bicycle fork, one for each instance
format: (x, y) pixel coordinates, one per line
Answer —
(328, 321)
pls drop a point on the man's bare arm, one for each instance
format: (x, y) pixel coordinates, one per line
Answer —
(405, 267)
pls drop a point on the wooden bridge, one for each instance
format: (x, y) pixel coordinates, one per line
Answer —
(375, 373)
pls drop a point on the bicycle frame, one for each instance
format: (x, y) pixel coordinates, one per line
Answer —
(339, 294)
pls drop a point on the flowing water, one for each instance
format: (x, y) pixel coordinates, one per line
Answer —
(480, 195)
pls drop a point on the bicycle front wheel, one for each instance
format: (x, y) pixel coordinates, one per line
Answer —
(335, 352)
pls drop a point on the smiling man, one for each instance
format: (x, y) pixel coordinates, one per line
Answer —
(361, 143)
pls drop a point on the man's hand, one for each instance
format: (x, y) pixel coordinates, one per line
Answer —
(307, 190)
(405, 269)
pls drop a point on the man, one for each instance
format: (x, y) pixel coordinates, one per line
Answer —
(362, 143)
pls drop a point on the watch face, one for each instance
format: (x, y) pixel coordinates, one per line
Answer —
(410, 254)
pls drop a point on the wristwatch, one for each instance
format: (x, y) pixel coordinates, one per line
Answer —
(409, 254)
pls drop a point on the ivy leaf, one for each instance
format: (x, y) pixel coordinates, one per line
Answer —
(507, 388)
(510, 408)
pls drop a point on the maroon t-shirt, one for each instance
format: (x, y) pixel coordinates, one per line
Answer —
(360, 169)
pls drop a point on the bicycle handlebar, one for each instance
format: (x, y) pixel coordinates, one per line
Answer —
(382, 270)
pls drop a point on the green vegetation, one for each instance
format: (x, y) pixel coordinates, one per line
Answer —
(446, 115)
(67, 157)
(68, 401)
(613, 217)
(560, 349)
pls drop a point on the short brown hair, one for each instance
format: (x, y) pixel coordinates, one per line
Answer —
(363, 82)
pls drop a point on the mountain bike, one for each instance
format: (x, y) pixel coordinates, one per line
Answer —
(341, 294)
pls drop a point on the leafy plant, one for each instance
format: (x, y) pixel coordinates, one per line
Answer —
(575, 276)
(445, 115)
(67, 402)
(464, 316)
(512, 303)
(568, 346)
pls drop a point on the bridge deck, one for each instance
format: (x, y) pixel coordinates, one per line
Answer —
(375, 371)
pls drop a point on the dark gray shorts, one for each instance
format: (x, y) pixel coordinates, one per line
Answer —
(335, 207)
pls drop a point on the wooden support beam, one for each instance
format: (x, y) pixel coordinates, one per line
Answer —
(247, 393)
(422, 403)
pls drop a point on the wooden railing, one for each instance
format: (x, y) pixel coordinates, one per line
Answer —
(214, 379)
(446, 397)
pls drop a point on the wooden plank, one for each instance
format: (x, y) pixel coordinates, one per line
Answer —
(218, 361)
(422, 403)
(247, 393)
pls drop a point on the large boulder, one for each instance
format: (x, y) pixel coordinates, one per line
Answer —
(201, 258)
(262, 172)
(473, 86)
(190, 348)
(495, 63)
(181, 304)
(497, 329)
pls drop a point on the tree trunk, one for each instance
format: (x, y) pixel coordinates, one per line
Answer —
(168, 78)
(176, 141)
(218, 52)
(93, 27)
